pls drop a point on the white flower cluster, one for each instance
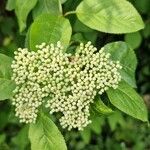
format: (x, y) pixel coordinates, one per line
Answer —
(69, 81)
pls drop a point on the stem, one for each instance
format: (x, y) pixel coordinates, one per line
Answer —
(60, 6)
(69, 13)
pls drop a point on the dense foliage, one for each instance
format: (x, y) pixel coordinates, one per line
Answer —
(113, 26)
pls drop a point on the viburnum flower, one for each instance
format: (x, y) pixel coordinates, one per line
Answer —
(68, 81)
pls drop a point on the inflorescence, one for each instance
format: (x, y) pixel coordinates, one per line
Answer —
(69, 81)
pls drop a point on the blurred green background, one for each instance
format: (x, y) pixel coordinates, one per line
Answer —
(114, 132)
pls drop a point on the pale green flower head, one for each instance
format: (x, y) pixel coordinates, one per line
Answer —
(69, 81)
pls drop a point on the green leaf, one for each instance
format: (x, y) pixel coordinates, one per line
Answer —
(50, 29)
(127, 100)
(84, 37)
(112, 16)
(143, 6)
(47, 6)
(22, 9)
(86, 135)
(133, 39)
(4, 146)
(120, 51)
(44, 135)
(78, 37)
(91, 36)
(6, 89)
(2, 138)
(5, 66)
(21, 139)
(5, 113)
(97, 123)
(146, 31)
(114, 119)
(63, 1)
(99, 107)
(80, 27)
(10, 5)
(27, 43)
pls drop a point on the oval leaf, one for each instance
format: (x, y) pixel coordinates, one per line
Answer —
(86, 135)
(47, 6)
(21, 139)
(99, 107)
(112, 16)
(44, 135)
(22, 9)
(120, 51)
(127, 100)
(49, 29)
(133, 39)
(10, 5)
(115, 119)
(6, 89)
(5, 66)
